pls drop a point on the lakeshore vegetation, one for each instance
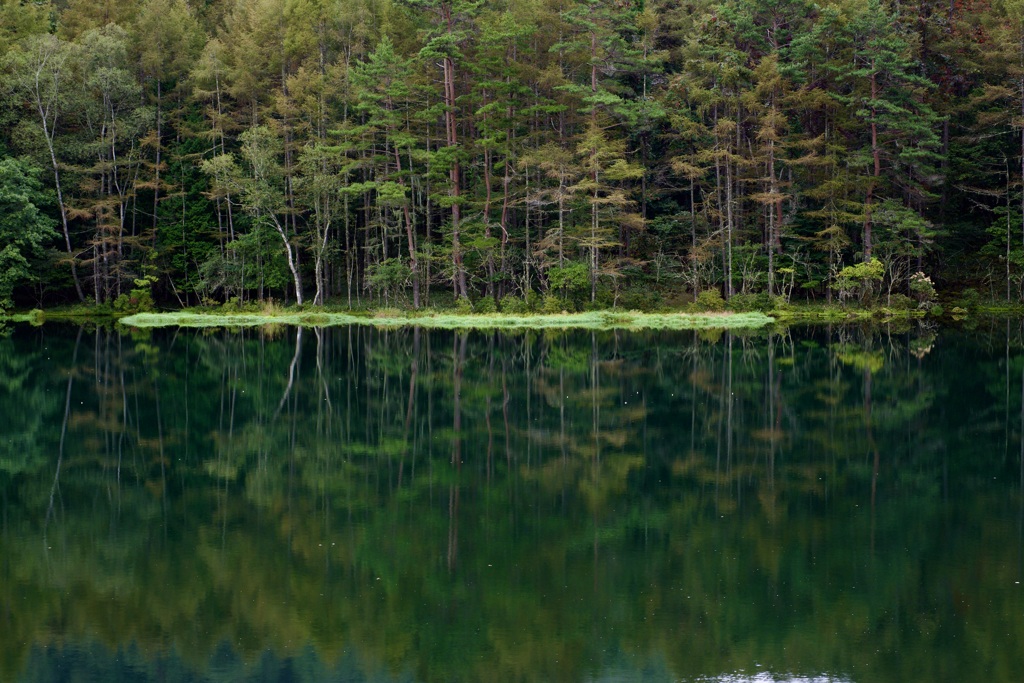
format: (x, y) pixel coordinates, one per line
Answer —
(518, 156)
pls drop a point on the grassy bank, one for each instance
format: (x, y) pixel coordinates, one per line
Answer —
(738, 313)
(35, 317)
(597, 320)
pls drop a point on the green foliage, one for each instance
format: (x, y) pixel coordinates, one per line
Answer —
(969, 299)
(859, 280)
(138, 300)
(923, 289)
(609, 153)
(640, 297)
(389, 277)
(901, 302)
(709, 300)
(761, 301)
(24, 229)
(571, 281)
(485, 305)
(514, 305)
(552, 304)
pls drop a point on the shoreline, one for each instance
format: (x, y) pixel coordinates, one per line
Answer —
(597, 320)
(607, 319)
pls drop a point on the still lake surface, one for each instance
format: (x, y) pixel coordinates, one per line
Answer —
(353, 504)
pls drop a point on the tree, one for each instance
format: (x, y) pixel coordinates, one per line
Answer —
(261, 189)
(112, 122)
(168, 40)
(444, 45)
(19, 20)
(385, 102)
(24, 229)
(886, 96)
(43, 76)
(603, 162)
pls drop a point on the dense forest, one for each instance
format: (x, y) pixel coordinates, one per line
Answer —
(589, 153)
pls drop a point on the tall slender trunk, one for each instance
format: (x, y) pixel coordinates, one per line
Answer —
(289, 184)
(774, 214)
(455, 172)
(159, 148)
(693, 237)
(223, 150)
(721, 212)
(409, 234)
(49, 132)
(876, 156)
(594, 214)
(487, 221)
(1009, 228)
(594, 225)
(505, 181)
(729, 226)
(291, 253)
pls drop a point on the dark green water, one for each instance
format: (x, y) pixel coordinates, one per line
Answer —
(362, 505)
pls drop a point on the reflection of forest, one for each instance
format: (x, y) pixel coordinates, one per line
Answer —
(534, 506)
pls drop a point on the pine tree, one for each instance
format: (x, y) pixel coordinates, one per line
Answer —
(885, 96)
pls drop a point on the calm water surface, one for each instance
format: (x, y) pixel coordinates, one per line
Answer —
(368, 505)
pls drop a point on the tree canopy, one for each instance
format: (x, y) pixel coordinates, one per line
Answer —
(421, 152)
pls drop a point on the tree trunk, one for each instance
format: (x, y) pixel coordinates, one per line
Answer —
(455, 172)
(410, 235)
(48, 133)
(876, 156)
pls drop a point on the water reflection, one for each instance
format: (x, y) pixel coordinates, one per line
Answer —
(360, 504)
(765, 677)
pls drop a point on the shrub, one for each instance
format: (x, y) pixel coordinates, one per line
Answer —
(969, 299)
(135, 301)
(485, 305)
(463, 305)
(747, 302)
(389, 277)
(710, 300)
(922, 288)
(573, 278)
(900, 302)
(639, 298)
(552, 304)
(859, 280)
(138, 299)
(514, 305)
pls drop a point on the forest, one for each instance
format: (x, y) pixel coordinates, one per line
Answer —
(524, 154)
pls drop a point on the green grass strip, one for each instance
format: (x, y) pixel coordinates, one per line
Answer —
(598, 320)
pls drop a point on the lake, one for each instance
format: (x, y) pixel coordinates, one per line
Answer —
(354, 504)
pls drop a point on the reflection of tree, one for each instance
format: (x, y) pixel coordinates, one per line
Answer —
(523, 506)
